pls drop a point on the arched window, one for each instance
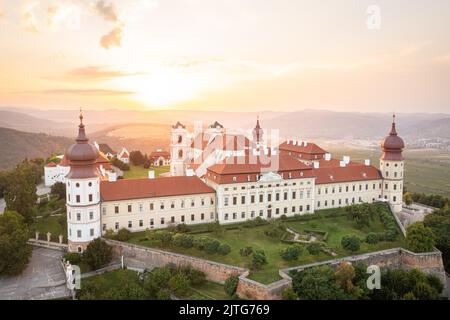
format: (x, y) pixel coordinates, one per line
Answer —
(180, 139)
(180, 154)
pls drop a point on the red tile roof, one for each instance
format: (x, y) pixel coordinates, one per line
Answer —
(125, 189)
(157, 154)
(51, 164)
(310, 151)
(349, 173)
(242, 169)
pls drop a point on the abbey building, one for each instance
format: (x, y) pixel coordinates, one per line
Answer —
(229, 178)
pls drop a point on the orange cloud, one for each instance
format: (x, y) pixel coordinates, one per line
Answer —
(113, 38)
(107, 11)
(96, 73)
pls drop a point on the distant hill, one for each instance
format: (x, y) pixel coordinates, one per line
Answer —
(17, 145)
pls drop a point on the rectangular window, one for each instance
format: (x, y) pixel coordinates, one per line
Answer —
(172, 205)
(202, 216)
(318, 204)
(104, 210)
(301, 208)
(252, 198)
(104, 227)
(78, 198)
(192, 217)
(226, 216)
(129, 208)
(92, 232)
(293, 195)
(252, 214)
(162, 206)
(269, 197)
(116, 209)
(79, 233)
(203, 202)
(243, 200)
(234, 201)
(277, 196)
(234, 215)
(308, 208)
(261, 198)
(212, 201)
(78, 216)
(261, 213)
(90, 198)
(243, 215)
(130, 224)
(141, 207)
(172, 219)
(293, 209)
(162, 220)
(116, 226)
(225, 201)
(182, 218)
(141, 223)
(91, 215)
(192, 203)
(277, 211)
(152, 223)
(151, 206)
(285, 196)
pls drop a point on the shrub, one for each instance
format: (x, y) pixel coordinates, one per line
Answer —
(182, 227)
(73, 257)
(275, 230)
(109, 234)
(59, 189)
(230, 285)
(123, 235)
(97, 254)
(211, 245)
(183, 240)
(195, 276)
(372, 238)
(313, 248)
(259, 259)
(246, 251)
(179, 283)
(163, 235)
(291, 252)
(224, 249)
(350, 242)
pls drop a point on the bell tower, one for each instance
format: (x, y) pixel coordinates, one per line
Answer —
(392, 168)
(178, 150)
(82, 193)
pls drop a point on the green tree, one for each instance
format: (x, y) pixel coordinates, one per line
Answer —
(97, 254)
(407, 198)
(123, 235)
(313, 248)
(345, 273)
(14, 250)
(137, 158)
(317, 283)
(289, 294)
(258, 259)
(419, 238)
(291, 252)
(230, 285)
(179, 284)
(20, 194)
(59, 189)
(439, 222)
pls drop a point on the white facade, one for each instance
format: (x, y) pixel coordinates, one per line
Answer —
(392, 171)
(83, 212)
(179, 147)
(55, 174)
(124, 156)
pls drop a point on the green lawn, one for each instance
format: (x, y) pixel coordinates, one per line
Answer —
(141, 172)
(207, 291)
(55, 225)
(255, 237)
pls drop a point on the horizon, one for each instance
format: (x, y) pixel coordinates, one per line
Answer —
(275, 56)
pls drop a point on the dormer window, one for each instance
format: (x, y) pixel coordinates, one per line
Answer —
(234, 178)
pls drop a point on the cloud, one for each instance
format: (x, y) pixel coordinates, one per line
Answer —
(28, 17)
(96, 73)
(113, 38)
(80, 92)
(107, 11)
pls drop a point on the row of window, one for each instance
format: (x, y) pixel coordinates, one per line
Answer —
(78, 215)
(78, 198)
(286, 184)
(394, 186)
(340, 189)
(80, 233)
(395, 174)
(278, 197)
(162, 221)
(161, 206)
(277, 211)
(345, 201)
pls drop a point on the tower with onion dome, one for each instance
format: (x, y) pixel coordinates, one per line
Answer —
(392, 168)
(83, 193)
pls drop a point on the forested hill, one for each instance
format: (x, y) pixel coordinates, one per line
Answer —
(17, 145)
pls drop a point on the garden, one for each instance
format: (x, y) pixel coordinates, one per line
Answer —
(265, 247)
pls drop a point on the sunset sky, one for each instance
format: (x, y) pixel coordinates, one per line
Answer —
(226, 55)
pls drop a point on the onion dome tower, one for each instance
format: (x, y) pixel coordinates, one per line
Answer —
(392, 168)
(257, 135)
(83, 193)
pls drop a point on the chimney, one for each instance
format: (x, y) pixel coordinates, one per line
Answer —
(342, 163)
(327, 156)
(151, 174)
(367, 162)
(316, 164)
(112, 176)
(346, 159)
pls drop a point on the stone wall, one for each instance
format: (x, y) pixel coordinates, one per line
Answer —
(143, 257)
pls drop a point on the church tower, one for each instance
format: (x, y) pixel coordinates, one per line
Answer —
(83, 193)
(178, 150)
(257, 132)
(392, 168)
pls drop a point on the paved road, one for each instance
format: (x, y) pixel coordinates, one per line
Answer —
(2, 205)
(35, 283)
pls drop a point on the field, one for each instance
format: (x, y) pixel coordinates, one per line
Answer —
(426, 170)
(238, 238)
(141, 172)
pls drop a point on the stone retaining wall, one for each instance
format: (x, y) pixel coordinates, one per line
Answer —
(143, 257)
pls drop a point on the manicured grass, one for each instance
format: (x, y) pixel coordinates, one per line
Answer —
(337, 227)
(207, 291)
(56, 225)
(140, 172)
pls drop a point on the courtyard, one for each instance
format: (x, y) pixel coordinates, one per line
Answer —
(334, 223)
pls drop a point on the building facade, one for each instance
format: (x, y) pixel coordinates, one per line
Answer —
(294, 179)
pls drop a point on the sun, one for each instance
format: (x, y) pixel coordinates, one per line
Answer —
(164, 87)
